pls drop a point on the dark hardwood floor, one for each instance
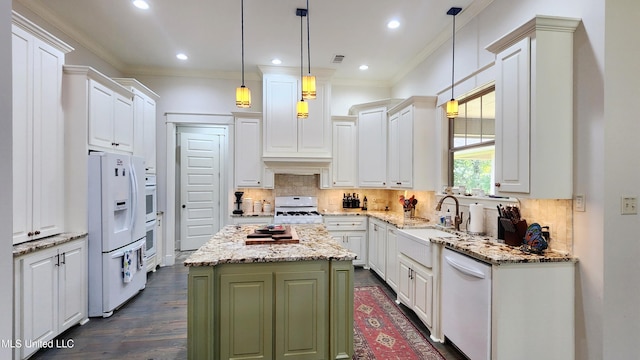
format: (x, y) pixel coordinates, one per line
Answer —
(153, 325)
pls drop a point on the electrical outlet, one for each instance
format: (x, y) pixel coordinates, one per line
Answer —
(579, 202)
(629, 205)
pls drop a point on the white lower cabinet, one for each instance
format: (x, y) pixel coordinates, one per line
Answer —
(377, 246)
(391, 258)
(350, 232)
(50, 294)
(516, 289)
(415, 288)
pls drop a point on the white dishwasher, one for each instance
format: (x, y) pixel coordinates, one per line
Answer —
(466, 304)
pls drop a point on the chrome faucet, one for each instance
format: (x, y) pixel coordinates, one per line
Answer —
(457, 221)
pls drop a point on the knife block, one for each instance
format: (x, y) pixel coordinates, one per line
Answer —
(513, 236)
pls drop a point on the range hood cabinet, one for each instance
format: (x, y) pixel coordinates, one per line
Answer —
(297, 165)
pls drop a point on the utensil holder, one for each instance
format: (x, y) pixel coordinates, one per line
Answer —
(514, 237)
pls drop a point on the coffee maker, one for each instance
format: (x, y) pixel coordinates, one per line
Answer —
(238, 202)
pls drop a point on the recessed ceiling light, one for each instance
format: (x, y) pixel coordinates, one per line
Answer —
(182, 56)
(141, 4)
(364, 67)
(393, 24)
(276, 61)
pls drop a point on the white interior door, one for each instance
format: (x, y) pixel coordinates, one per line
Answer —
(200, 160)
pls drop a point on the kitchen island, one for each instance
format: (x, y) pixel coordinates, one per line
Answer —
(270, 301)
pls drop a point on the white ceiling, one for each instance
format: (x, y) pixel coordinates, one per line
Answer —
(209, 32)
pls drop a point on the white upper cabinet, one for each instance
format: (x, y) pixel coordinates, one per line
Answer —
(249, 168)
(99, 110)
(144, 121)
(286, 136)
(372, 142)
(91, 102)
(412, 148)
(38, 132)
(372, 147)
(110, 117)
(345, 160)
(534, 109)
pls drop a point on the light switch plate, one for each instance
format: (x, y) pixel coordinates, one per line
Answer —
(629, 205)
(579, 202)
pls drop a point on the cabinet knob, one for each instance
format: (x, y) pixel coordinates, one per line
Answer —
(398, 183)
(30, 233)
(113, 144)
(37, 232)
(497, 184)
(258, 182)
(184, 206)
(384, 183)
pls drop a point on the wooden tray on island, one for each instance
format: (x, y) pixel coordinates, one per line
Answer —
(289, 236)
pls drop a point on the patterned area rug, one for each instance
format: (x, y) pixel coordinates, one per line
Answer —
(383, 332)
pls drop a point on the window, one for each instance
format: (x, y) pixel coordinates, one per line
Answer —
(472, 143)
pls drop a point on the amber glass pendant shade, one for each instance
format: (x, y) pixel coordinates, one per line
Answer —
(308, 87)
(452, 109)
(302, 109)
(243, 97)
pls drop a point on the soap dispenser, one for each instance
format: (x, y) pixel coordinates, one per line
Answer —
(447, 218)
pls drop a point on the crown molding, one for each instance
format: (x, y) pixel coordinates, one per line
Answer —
(467, 14)
(41, 33)
(538, 23)
(81, 38)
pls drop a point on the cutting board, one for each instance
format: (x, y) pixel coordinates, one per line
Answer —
(290, 236)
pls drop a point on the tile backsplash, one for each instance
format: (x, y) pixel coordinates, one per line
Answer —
(557, 214)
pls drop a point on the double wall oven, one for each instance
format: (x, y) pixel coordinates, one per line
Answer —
(151, 222)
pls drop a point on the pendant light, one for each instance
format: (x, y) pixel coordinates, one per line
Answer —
(302, 108)
(243, 94)
(452, 105)
(308, 81)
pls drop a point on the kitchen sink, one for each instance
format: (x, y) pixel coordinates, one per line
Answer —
(415, 243)
(426, 234)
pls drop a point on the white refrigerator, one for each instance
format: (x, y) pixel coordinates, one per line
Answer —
(116, 231)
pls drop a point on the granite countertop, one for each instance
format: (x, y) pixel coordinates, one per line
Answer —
(40, 244)
(228, 247)
(489, 250)
(390, 217)
(248, 215)
(483, 248)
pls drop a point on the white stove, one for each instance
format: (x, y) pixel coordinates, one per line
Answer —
(296, 210)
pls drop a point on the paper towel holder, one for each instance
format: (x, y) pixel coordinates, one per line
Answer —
(475, 223)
